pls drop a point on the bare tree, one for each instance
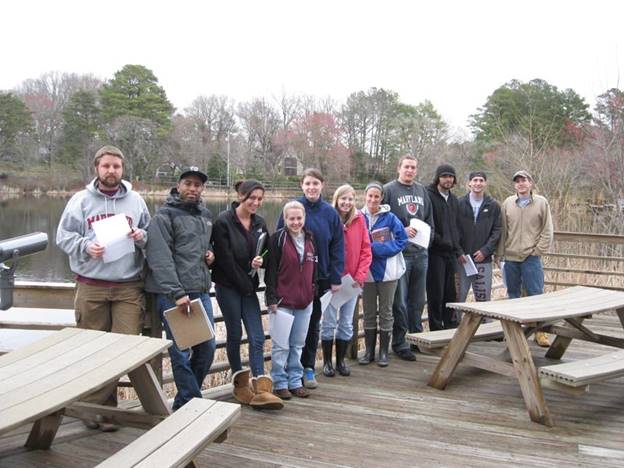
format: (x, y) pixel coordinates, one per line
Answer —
(47, 97)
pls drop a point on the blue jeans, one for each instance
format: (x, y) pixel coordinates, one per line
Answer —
(344, 323)
(286, 367)
(409, 299)
(528, 274)
(236, 307)
(190, 366)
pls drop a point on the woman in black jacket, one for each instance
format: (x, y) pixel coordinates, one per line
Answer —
(236, 236)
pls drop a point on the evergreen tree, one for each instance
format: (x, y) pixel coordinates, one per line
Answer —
(135, 92)
(15, 121)
(81, 120)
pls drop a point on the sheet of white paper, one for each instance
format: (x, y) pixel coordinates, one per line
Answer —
(112, 233)
(423, 233)
(502, 269)
(325, 300)
(469, 267)
(280, 324)
(346, 292)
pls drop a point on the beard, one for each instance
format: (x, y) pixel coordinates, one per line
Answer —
(109, 181)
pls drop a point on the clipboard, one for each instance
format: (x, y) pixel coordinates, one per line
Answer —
(189, 330)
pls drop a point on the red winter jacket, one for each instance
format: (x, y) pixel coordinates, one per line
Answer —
(358, 256)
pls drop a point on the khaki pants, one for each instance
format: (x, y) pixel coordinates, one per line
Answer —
(118, 310)
(377, 299)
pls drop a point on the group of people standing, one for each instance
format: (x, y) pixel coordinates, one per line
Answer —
(314, 246)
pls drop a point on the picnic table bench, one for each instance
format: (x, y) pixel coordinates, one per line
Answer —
(434, 340)
(21, 326)
(521, 317)
(177, 440)
(575, 377)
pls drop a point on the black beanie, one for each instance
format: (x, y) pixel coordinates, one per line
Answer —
(444, 169)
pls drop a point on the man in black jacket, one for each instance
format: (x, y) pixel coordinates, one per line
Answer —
(178, 254)
(479, 223)
(444, 250)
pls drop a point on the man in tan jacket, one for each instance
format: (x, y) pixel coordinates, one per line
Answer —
(527, 235)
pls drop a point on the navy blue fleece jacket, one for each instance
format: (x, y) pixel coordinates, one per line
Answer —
(323, 220)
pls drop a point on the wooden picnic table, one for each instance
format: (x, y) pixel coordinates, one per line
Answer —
(520, 318)
(46, 379)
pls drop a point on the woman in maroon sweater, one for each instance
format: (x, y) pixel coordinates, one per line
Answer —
(290, 277)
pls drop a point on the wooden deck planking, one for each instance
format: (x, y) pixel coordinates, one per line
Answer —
(390, 417)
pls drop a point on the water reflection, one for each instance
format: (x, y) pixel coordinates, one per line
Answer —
(23, 215)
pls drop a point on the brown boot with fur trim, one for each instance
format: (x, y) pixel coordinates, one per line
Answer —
(264, 398)
(242, 390)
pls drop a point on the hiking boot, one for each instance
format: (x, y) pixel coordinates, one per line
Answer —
(541, 338)
(328, 367)
(89, 424)
(370, 340)
(241, 389)
(108, 427)
(341, 351)
(309, 381)
(300, 392)
(264, 399)
(106, 424)
(406, 354)
(384, 344)
(283, 393)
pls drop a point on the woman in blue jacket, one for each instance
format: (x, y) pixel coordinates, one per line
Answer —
(388, 239)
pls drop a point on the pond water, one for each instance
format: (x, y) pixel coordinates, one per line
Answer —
(24, 215)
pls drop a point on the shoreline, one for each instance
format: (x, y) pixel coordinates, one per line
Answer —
(159, 193)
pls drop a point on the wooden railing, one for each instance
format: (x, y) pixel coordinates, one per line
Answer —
(585, 259)
(576, 258)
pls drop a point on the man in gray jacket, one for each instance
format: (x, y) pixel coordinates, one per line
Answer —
(109, 295)
(179, 254)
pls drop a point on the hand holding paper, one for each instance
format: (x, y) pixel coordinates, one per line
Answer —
(112, 235)
(280, 324)
(349, 289)
(469, 266)
(423, 233)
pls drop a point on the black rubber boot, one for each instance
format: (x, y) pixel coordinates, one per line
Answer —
(370, 340)
(328, 367)
(384, 343)
(341, 352)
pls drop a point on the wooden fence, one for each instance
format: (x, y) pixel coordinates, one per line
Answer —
(576, 259)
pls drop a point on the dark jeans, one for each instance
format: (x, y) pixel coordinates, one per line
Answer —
(409, 300)
(440, 290)
(528, 274)
(308, 355)
(236, 307)
(190, 366)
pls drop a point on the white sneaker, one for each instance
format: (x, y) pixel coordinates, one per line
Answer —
(309, 381)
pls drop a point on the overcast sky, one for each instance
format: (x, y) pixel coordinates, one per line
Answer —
(454, 53)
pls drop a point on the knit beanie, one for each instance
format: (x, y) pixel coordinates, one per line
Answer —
(445, 169)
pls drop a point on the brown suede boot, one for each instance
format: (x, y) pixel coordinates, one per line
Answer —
(242, 390)
(264, 397)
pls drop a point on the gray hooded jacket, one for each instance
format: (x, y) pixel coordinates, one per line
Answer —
(75, 233)
(179, 236)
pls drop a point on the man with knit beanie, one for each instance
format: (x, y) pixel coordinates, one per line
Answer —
(444, 251)
(527, 235)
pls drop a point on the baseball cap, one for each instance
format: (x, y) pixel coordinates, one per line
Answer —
(522, 173)
(193, 170)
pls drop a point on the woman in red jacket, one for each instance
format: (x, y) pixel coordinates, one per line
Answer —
(357, 260)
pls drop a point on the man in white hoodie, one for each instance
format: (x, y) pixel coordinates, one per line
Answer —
(109, 296)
